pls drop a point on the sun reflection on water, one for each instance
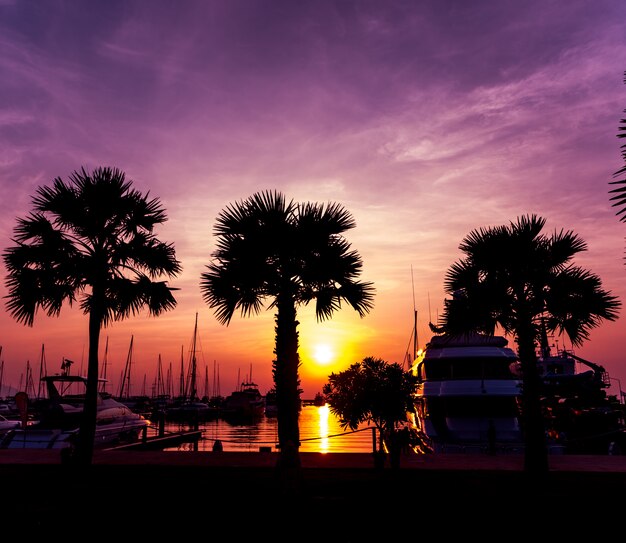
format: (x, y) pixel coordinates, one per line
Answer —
(320, 431)
(323, 413)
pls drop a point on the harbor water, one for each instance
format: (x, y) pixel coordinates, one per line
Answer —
(320, 431)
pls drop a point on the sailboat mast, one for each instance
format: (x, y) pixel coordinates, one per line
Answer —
(30, 385)
(169, 384)
(42, 372)
(125, 387)
(160, 389)
(105, 363)
(414, 319)
(183, 391)
(414, 335)
(192, 388)
(216, 380)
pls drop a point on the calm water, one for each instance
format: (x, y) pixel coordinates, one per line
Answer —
(319, 432)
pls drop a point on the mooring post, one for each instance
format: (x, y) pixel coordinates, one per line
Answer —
(161, 417)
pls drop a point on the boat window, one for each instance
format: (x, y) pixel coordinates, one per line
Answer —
(476, 406)
(468, 368)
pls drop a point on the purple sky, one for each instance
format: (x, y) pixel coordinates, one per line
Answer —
(424, 119)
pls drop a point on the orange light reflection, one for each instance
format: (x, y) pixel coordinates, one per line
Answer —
(323, 413)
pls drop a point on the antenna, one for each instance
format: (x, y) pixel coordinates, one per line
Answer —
(409, 358)
(430, 317)
(413, 287)
(414, 318)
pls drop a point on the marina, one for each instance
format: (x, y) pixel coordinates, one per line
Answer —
(320, 432)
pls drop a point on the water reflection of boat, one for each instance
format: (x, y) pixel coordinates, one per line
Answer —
(59, 417)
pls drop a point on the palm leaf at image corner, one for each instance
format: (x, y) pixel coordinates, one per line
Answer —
(619, 193)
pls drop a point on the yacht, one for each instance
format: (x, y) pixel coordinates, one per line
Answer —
(59, 415)
(8, 424)
(468, 395)
(469, 398)
(244, 403)
(581, 417)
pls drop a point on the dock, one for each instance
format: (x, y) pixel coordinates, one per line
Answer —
(160, 441)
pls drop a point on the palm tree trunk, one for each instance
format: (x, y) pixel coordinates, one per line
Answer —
(536, 451)
(286, 380)
(84, 449)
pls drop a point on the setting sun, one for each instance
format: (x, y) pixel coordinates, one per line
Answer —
(323, 354)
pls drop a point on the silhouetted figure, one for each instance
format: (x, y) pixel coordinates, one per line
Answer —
(217, 446)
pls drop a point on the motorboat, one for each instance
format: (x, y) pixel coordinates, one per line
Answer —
(468, 394)
(245, 403)
(58, 418)
(580, 416)
(8, 424)
(191, 410)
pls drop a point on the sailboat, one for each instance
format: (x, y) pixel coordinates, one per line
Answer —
(188, 407)
(216, 399)
(139, 403)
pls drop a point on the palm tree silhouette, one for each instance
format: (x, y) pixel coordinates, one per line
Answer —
(91, 239)
(619, 193)
(519, 279)
(375, 391)
(293, 254)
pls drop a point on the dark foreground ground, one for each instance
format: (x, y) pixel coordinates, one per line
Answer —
(165, 496)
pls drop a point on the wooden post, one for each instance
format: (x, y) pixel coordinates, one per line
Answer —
(161, 418)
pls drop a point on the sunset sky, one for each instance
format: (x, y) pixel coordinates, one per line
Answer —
(425, 120)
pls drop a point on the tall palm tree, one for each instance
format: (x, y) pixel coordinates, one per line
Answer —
(91, 239)
(292, 254)
(519, 279)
